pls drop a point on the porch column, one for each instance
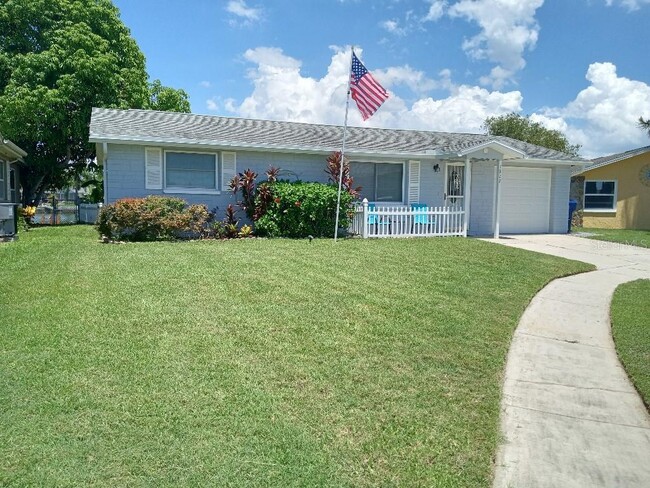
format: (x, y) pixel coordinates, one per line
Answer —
(467, 193)
(497, 210)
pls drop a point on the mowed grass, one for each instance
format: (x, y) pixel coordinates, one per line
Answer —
(631, 237)
(631, 330)
(256, 362)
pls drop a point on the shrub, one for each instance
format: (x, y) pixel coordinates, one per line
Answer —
(152, 218)
(300, 209)
(255, 197)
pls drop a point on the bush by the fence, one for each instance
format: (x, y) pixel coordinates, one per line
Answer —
(152, 218)
(299, 209)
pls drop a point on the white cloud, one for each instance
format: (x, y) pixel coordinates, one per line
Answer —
(436, 11)
(281, 92)
(245, 15)
(205, 84)
(393, 27)
(212, 104)
(603, 117)
(416, 80)
(508, 28)
(631, 5)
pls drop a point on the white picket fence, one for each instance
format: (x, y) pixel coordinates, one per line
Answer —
(403, 221)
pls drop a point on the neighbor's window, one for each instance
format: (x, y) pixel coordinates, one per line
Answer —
(3, 180)
(379, 182)
(600, 195)
(190, 170)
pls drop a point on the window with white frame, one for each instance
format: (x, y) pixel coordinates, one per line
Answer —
(379, 182)
(191, 171)
(600, 195)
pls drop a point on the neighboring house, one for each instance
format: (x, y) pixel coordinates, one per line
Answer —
(10, 157)
(614, 191)
(505, 185)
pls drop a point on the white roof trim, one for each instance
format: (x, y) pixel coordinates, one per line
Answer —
(626, 155)
(254, 147)
(498, 146)
(11, 148)
(425, 155)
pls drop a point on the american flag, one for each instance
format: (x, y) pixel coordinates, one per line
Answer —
(365, 90)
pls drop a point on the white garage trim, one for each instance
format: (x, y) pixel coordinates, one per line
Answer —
(525, 200)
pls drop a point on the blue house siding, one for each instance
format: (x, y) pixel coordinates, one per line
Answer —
(481, 215)
(125, 174)
(560, 188)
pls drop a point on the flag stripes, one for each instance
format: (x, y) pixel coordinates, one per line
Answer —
(365, 90)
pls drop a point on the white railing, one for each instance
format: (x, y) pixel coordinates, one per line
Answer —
(402, 221)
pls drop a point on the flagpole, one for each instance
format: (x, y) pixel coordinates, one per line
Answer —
(345, 130)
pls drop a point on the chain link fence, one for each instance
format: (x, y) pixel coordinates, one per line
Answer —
(64, 213)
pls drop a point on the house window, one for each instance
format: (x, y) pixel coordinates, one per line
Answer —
(12, 185)
(379, 182)
(191, 171)
(3, 180)
(600, 195)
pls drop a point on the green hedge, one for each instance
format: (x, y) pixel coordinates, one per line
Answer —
(299, 209)
(152, 218)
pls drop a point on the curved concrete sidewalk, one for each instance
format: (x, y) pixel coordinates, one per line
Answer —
(570, 416)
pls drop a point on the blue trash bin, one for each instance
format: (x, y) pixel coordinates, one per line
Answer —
(573, 205)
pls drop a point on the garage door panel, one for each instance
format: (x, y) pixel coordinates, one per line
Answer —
(525, 200)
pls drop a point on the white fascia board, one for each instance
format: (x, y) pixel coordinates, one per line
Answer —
(497, 146)
(179, 143)
(11, 149)
(544, 162)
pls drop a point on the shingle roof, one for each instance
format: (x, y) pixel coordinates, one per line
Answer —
(614, 158)
(168, 127)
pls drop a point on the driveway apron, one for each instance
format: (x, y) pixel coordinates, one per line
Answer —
(569, 415)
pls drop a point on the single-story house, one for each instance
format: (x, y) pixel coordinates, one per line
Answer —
(504, 185)
(614, 191)
(10, 157)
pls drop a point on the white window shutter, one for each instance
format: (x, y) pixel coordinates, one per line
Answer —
(228, 169)
(414, 182)
(153, 168)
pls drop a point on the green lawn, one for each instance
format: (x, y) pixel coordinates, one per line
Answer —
(256, 362)
(631, 237)
(631, 330)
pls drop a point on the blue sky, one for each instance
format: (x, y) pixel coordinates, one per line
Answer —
(575, 65)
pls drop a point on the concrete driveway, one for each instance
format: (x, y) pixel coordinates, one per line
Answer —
(570, 416)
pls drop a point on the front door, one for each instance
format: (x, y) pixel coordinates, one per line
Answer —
(455, 184)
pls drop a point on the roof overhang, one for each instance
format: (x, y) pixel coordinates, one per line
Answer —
(612, 160)
(11, 150)
(485, 151)
(185, 143)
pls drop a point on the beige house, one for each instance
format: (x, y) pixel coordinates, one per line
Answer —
(614, 191)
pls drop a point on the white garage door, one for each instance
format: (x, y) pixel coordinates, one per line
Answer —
(525, 200)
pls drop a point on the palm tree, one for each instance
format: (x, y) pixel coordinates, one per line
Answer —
(644, 124)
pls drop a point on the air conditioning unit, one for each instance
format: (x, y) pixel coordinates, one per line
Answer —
(6, 212)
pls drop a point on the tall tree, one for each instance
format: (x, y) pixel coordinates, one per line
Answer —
(644, 124)
(167, 99)
(58, 59)
(523, 129)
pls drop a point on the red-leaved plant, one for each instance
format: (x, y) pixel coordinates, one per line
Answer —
(333, 166)
(255, 198)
